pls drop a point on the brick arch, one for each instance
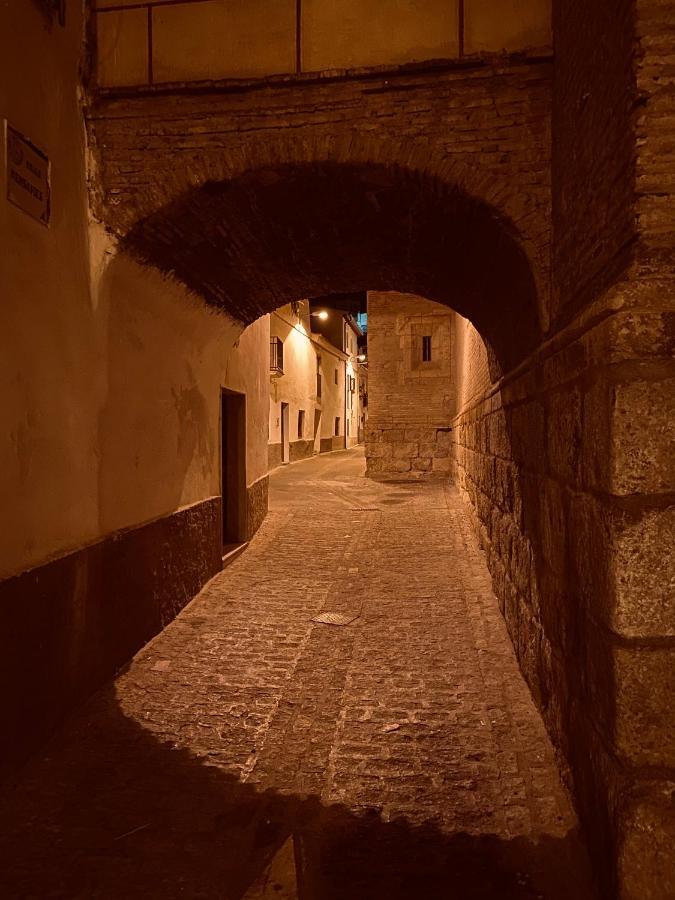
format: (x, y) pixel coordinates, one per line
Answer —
(253, 242)
(523, 201)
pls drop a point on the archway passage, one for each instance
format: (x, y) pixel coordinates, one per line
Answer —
(261, 240)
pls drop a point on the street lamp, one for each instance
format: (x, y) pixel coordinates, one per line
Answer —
(322, 314)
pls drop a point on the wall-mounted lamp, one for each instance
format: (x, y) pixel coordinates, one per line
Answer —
(322, 314)
(361, 357)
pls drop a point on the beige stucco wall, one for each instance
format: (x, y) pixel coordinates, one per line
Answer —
(49, 338)
(110, 373)
(352, 413)
(297, 386)
(165, 359)
(349, 33)
(333, 391)
(494, 25)
(211, 39)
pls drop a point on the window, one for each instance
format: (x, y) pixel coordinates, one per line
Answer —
(318, 377)
(426, 348)
(276, 356)
(301, 423)
(336, 380)
(337, 426)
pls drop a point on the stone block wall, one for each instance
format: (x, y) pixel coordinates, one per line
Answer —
(593, 150)
(567, 465)
(412, 452)
(410, 401)
(613, 238)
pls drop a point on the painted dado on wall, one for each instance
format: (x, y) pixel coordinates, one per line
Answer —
(154, 41)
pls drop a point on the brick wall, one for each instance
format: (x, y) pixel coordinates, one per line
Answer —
(593, 148)
(410, 402)
(257, 194)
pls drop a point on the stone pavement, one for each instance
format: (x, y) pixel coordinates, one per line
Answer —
(248, 752)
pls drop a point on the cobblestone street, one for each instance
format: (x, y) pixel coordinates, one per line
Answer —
(249, 752)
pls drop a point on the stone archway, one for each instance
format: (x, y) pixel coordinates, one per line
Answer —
(261, 240)
(543, 451)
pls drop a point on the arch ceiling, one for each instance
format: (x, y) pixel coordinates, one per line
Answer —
(274, 234)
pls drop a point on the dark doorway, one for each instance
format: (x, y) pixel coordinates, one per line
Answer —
(317, 426)
(233, 467)
(285, 437)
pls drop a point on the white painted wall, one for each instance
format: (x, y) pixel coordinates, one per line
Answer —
(333, 393)
(297, 386)
(110, 374)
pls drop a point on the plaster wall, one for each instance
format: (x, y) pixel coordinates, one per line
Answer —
(110, 372)
(333, 364)
(51, 334)
(140, 404)
(303, 350)
(157, 430)
(297, 386)
(491, 26)
(211, 39)
(346, 34)
(110, 405)
(352, 406)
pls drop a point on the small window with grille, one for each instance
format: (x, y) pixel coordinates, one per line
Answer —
(426, 348)
(276, 356)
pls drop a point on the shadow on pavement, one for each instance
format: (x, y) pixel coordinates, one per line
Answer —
(112, 812)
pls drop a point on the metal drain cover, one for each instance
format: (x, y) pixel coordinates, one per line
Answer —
(336, 618)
